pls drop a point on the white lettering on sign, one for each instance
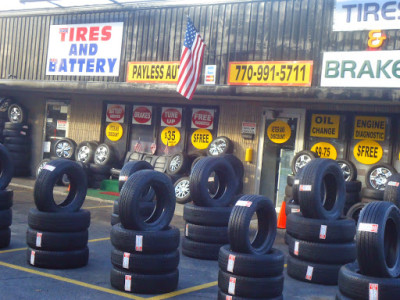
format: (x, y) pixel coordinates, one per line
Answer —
(202, 118)
(142, 115)
(249, 127)
(171, 116)
(369, 227)
(115, 113)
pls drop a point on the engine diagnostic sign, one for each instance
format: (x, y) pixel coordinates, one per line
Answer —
(278, 73)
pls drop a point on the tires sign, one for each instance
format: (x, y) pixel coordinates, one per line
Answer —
(171, 116)
(141, 115)
(115, 113)
(202, 118)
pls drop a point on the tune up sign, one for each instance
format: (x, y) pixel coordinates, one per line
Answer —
(85, 49)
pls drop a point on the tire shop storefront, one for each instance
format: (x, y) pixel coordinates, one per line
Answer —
(278, 77)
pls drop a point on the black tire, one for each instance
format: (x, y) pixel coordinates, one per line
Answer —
(357, 286)
(56, 241)
(145, 263)
(14, 133)
(85, 152)
(290, 179)
(145, 283)
(207, 216)
(238, 167)
(291, 208)
(206, 234)
(378, 240)
(64, 148)
(6, 167)
(16, 140)
(131, 167)
(353, 186)
(349, 170)
(251, 287)
(6, 199)
(5, 237)
(372, 193)
(58, 259)
(249, 265)
(104, 155)
(182, 191)
(162, 241)
(224, 296)
(380, 171)
(59, 222)
(100, 169)
(15, 126)
(5, 218)
(47, 179)
(179, 163)
(295, 186)
(200, 250)
(15, 148)
(332, 253)
(199, 182)
(354, 211)
(392, 190)
(301, 159)
(16, 113)
(321, 273)
(132, 194)
(322, 192)
(219, 146)
(289, 191)
(340, 296)
(115, 219)
(336, 231)
(239, 223)
(352, 198)
(195, 161)
(161, 163)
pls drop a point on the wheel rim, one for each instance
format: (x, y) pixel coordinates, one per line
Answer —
(378, 178)
(41, 166)
(217, 147)
(301, 161)
(346, 171)
(182, 189)
(101, 154)
(63, 150)
(175, 163)
(83, 154)
(15, 114)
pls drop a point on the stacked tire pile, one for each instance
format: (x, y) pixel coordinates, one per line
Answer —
(207, 218)
(376, 273)
(320, 242)
(251, 268)
(6, 197)
(58, 232)
(352, 185)
(145, 258)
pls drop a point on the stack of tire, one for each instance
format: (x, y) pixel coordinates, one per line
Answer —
(84, 155)
(145, 258)
(4, 117)
(6, 196)
(376, 273)
(319, 240)
(251, 269)
(57, 236)
(353, 186)
(207, 218)
(104, 159)
(178, 168)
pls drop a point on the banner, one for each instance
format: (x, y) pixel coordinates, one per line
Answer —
(202, 118)
(171, 116)
(85, 49)
(152, 72)
(142, 115)
(115, 113)
(325, 126)
(371, 128)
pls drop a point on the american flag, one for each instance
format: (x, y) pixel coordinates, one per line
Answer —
(138, 146)
(191, 60)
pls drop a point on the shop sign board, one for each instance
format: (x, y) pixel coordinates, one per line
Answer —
(85, 49)
(379, 69)
(61, 125)
(372, 128)
(114, 132)
(115, 113)
(170, 136)
(249, 127)
(201, 138)
(368, 152)
(325, 150)
(325, 126)
(355, 15)
(210, 74)
(202, 118)
(142, 114)
(171, 116)
(279, 132)
(152, 72)
(273, 73)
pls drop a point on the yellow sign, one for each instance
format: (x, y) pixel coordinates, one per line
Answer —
(114, 131)
(153, 72)
(279, 132)
(326, 126)
(289, 73)
(368, 152)
(371, 128)
(376, 38)
(201, 138)
(325, 150)
(170, 136)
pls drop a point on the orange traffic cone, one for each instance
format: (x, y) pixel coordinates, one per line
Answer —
(282, 216)
(69, 187)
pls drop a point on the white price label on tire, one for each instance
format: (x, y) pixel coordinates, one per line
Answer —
(369, 227)
(231, 263)
(322, 232)
(244, 203)
(49, 168)
(373, 291)
(305, 188)
(232, 285)
(39, 239)
(128, 283)
(32, 261)
(139, 243)
(125, 260)
(296, 248)
(309, 273)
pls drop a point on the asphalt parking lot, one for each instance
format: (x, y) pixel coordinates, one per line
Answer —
(198, 278)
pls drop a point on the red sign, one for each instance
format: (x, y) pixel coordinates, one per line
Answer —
(115, 113)
(142, 115)
(202, 118)
(171, 116)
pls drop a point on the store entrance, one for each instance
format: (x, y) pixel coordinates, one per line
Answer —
(282, 137)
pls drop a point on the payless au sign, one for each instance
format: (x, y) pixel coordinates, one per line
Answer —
(85, 49)
(153, 72)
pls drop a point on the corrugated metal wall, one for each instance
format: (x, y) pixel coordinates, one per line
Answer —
(257, 30)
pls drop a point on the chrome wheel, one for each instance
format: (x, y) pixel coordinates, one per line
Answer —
(301, 161)
(379, 177)
(346, 171)
(175, 163)
(41, 166)
(182, 189)
(15, 114)
(101, 154)
(83, 154)
(217, 147)
(63, 150)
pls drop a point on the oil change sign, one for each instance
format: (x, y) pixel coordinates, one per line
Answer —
(274, 73)
(326, 126)
(171, 116)
(279, 132)
(354, 15)
(325, 150)
(372, 128)
(202, 118)
(201, 138)
(368, 152)
(152, 72)
(85, 49)
(379, 69)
